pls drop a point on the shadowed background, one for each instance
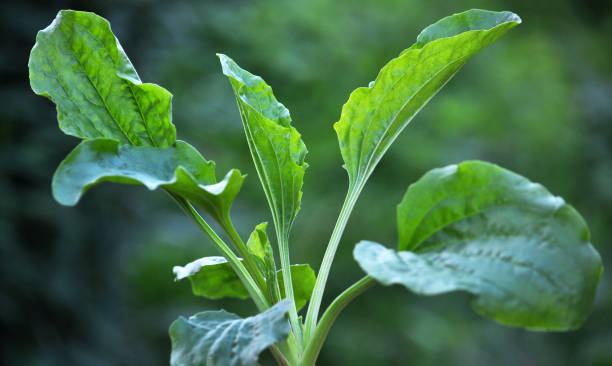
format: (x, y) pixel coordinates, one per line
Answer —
(93, 284)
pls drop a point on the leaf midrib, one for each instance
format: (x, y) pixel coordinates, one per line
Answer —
(144, 121)
(530, 266)
(365, 168)
(74, 53)
(484, 279)
(257, 156)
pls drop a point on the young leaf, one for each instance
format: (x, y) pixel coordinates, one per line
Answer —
(214, 278)
(79, 64)
(276, 147)
(220, 338)
(180, 169)
(375, 115)
(260, 249)
(523, 253)
(303, 283)
(278, 153)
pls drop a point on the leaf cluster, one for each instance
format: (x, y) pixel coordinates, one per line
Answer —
(523, 254)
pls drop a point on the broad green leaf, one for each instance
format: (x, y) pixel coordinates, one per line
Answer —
(219, 338)
(260, 249)
(79, 64)
(304, 278)
(276, 147)
(179, 168)
(212, 277)
(375, 115)
(523, 253)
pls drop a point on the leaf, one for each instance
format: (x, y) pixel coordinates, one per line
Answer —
(375, 115)
(276, 147)
(469, 191)
(214, 278)
(260, 249)
(219, 338)
(180, 169)
(79, 64)
(523, 253)
(304, 278)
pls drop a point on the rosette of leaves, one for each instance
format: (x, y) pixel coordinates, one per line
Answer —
(523, 254)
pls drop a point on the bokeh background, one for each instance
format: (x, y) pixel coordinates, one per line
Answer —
(93, 284)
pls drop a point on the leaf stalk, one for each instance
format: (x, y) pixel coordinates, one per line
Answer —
(283, 248)
(317, 295)
(320, 333)
(239, 268)
(250, 264)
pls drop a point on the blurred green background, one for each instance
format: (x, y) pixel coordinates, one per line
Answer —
(93, 284)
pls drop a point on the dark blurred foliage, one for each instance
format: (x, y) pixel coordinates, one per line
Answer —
(93, 284)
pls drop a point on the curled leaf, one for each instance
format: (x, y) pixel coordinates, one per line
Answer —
(179, 168)
(523, 253)
(220, 338)
(214, 278)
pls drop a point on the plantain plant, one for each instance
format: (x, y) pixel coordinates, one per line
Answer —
(523, 254)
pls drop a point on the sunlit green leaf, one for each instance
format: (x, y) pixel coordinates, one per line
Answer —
(375, 115)
(79, 64)
(523, 253)
(220, 338)
(214, 278)
(260, 249)
(304, 278)
(179, 168)
(276, 147)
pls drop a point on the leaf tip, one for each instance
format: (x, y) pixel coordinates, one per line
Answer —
(514, 18)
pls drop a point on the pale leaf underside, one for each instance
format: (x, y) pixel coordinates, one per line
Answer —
(180, 169)
(219, 338)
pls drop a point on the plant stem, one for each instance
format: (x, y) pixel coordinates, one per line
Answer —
(283, 248)
(318, 337)
(328, 258)
(251, 266)
(279, 356)
(241, 271)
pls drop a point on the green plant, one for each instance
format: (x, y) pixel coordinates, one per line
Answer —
(521, 252)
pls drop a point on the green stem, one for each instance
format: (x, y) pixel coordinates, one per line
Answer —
(328, 258)
(279, 356)
(283, 249)
(251, 266)
(241, 271)
(318, 338)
